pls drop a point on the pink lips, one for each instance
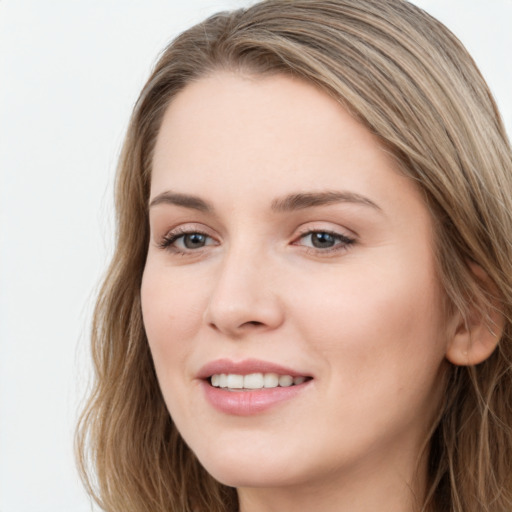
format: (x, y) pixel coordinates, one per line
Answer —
(245, 403)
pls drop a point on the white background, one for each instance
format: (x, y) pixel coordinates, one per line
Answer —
(70, 72)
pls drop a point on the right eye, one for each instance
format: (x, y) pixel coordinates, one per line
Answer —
(186, 241)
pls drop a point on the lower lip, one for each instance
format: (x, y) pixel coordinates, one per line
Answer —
(246, 403)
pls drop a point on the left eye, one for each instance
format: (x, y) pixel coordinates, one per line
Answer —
(325, 240)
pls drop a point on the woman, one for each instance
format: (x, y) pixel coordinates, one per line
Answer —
(309, 303)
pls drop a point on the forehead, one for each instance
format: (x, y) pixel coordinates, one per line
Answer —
(229, 135)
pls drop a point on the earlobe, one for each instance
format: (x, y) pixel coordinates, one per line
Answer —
(477, 334)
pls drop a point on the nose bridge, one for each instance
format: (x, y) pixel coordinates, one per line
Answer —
(244, 297)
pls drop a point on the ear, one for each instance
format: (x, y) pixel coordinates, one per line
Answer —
(477, 335)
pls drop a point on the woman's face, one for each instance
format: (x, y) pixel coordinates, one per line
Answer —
(287, 248)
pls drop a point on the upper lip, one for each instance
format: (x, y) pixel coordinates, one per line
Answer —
(245, 367)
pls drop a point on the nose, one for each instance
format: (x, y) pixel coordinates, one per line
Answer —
(244, 298)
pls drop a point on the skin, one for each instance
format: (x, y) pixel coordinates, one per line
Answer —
(364, 319)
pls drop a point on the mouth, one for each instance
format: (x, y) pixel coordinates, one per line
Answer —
(251, 386)
(255, 381)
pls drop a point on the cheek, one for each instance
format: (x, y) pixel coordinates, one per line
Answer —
(383, 347)
(377, 324)
(172, 313)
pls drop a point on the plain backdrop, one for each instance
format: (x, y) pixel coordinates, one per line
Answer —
(70, 72)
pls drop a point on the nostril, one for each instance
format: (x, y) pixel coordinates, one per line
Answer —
(213, 326)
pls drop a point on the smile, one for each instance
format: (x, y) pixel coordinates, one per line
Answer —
(251, 386)
(236, 382)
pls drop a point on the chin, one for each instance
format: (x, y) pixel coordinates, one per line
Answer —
(243, 476)
(241, 468)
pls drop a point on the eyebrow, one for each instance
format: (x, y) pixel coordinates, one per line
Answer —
(292, 202)
(185, 200)
(301, 201)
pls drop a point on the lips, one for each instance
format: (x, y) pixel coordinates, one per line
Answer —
(251, 386)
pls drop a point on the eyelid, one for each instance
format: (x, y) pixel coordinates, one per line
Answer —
(325, 227)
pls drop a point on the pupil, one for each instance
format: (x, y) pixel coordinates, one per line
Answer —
(194, 240)
(322, 240)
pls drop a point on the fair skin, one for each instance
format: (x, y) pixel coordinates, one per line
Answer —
(339, 288)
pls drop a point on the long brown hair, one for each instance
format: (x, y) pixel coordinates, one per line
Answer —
(410, 82)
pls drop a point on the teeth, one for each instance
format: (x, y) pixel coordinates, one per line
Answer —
(235, 381)
(254, 380)
(270, 380)
(285, 381)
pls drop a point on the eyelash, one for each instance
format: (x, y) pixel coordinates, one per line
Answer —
(172, 237)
